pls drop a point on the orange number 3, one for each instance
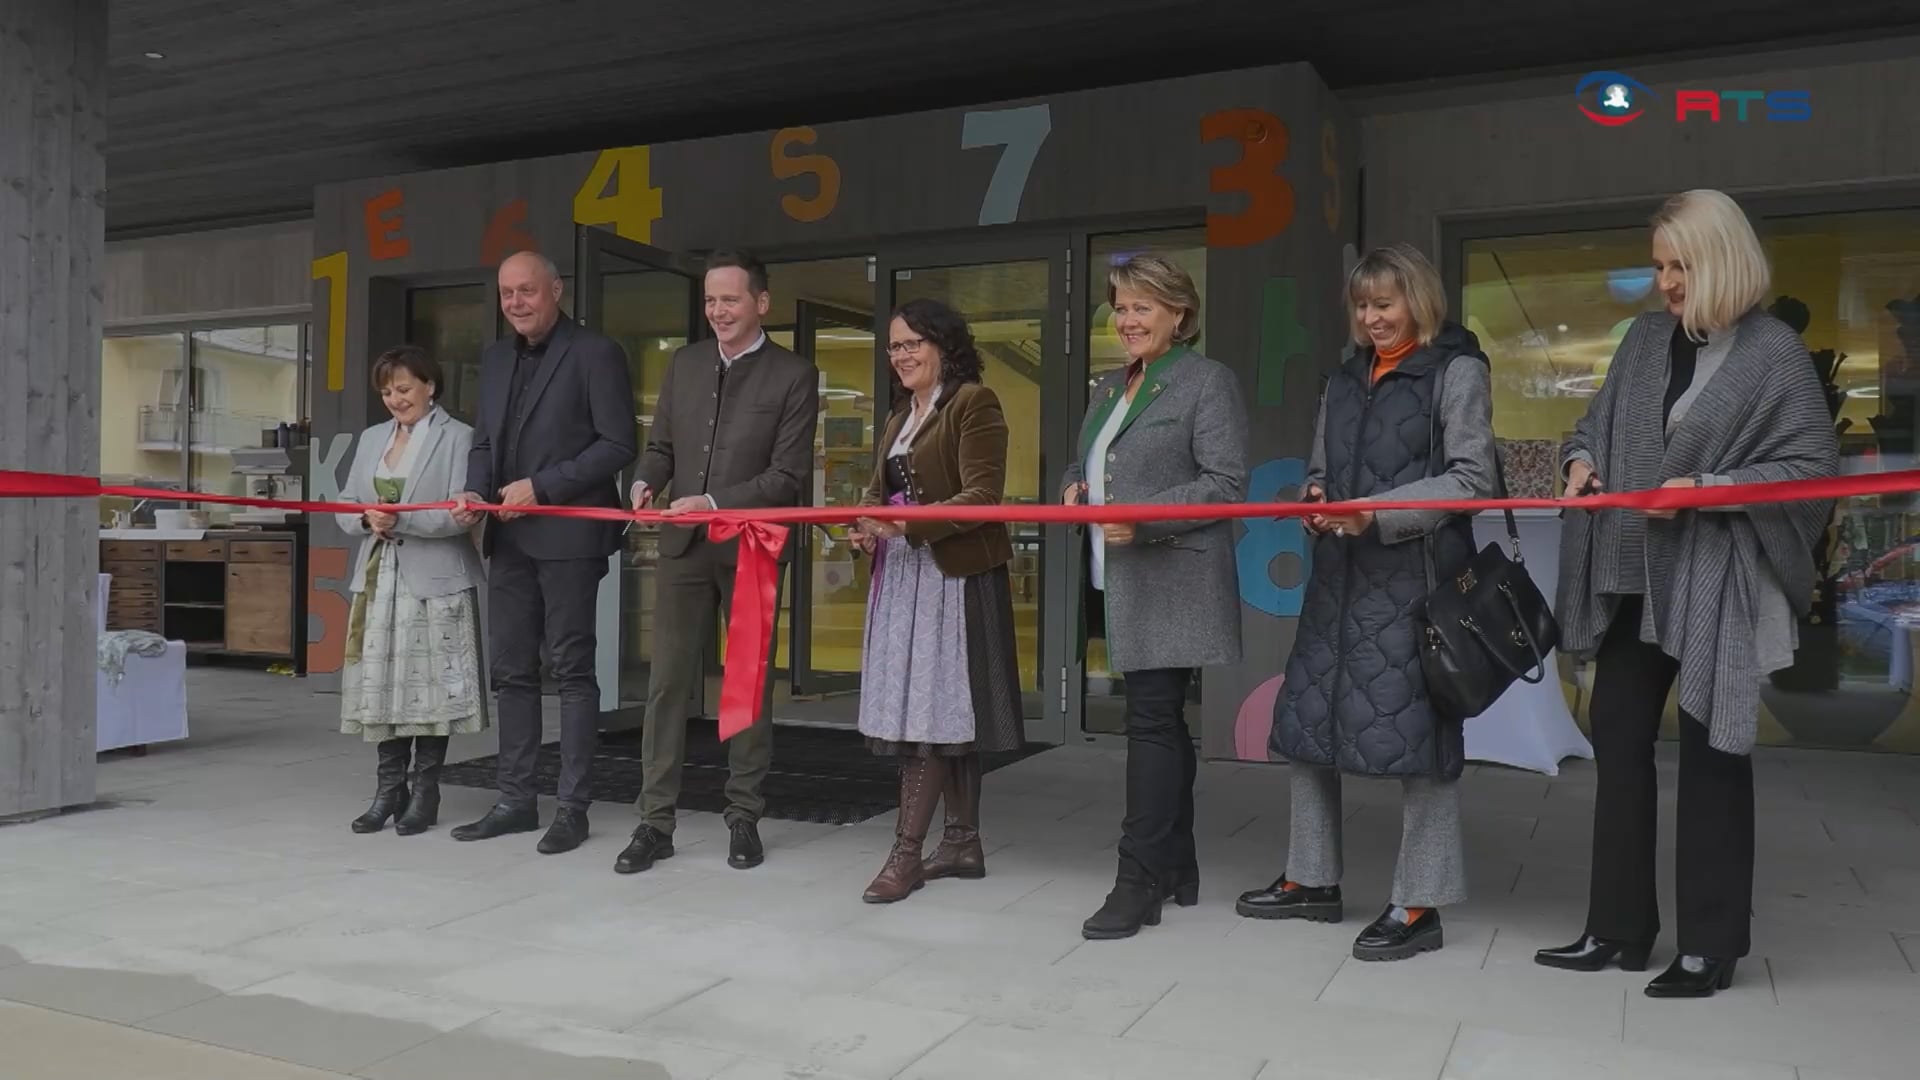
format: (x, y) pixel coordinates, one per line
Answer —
(1269, 198)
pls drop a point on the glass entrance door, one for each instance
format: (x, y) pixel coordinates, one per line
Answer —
(829, 580)
(1014, 299)
(649, 302)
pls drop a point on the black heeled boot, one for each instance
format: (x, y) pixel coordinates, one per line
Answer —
(1593, 953)
(423, 805)
(1693, 976)
(390, 790)
(1134, 902)
(1183, 886)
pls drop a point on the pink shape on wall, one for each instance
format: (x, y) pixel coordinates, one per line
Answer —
(1255, 721)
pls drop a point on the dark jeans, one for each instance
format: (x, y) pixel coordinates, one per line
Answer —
(1713, 871)
(1161, 764)
(530, 602)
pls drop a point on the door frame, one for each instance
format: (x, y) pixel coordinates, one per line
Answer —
(801, 675)
(589, 289)
(1059, 668)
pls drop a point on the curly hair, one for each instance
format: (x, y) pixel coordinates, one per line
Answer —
(945, 329)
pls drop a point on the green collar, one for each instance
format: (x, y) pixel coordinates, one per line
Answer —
(1152, 382)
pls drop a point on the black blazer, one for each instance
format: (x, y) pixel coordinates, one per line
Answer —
(747, 441)
(578, 432)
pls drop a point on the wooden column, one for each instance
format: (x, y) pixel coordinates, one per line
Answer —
(53, 86)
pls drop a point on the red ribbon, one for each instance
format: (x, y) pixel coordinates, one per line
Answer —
(762, 536)
(756, 607)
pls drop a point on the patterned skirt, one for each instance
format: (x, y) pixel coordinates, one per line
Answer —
(938, 672)
(412, 665)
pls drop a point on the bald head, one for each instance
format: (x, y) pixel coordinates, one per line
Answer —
(530, 294)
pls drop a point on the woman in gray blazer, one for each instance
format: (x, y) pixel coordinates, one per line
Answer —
(1168, 428)
(1711, 390)
(412, 675)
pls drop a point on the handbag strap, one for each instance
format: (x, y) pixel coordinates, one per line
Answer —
(1499, 473)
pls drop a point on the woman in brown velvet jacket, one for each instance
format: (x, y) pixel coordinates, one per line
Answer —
(939, 681)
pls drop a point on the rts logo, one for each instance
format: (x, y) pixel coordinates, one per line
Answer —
(1611, 99)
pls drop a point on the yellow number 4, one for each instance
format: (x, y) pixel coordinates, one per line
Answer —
(619, 192)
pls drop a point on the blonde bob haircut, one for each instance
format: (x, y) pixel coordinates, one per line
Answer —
(1403, 270)
(1727, 272)
(1162, 280)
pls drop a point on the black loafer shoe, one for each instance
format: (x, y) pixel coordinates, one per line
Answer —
(743, 849)
(503, 819)
(1692, 976)
(568, 831)
(1390, 939)
(648, 846)
(1593, 953)
(1320, 903)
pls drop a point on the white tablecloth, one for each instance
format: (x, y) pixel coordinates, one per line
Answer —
(1530, 726)
(149, 703)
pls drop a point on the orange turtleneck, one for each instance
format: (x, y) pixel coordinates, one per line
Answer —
(1385, 360)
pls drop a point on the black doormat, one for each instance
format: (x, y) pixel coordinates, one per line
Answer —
(819, 774)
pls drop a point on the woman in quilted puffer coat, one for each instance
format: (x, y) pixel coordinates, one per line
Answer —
(1408, 415)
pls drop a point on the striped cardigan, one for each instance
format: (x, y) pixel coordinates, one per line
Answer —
(1761, 417)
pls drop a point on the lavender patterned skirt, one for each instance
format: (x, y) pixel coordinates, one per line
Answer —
(938, 673)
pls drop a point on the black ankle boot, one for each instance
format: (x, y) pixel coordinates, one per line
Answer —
(1183, 885)
(1593, 953)
(1134, 902)
(423, 805)
(390, 790)
(1693, 976)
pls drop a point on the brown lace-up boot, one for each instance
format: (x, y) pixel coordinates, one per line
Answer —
(959, 854)
(920, 781)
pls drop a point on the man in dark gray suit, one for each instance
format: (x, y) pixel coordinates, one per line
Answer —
(734, 427)
(555, 427)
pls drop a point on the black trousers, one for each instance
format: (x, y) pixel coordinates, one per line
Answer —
(1714, 862)
(531, 602)
(1161, 764)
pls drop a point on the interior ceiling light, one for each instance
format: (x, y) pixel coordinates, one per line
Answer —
(156, 56)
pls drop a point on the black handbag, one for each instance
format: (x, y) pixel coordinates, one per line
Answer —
(1484, 626)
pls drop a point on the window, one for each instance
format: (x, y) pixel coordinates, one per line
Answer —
(1551, 309)
(175, 404)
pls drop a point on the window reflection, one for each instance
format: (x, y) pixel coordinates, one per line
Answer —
(1550, 309)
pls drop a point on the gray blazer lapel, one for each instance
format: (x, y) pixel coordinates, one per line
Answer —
(424, 458)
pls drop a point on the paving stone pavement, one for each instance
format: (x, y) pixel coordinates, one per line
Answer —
(216, 918)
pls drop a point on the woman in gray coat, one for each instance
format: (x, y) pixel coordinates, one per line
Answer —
(1710, 391)
(1408, 415)
(412, 675)
(1168, 428)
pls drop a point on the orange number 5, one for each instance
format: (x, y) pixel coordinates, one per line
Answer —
(327, 653)
(1263, 149)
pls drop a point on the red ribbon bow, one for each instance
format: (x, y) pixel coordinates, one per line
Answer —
(756, 607)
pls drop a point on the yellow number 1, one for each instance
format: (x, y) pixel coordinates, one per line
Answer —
(619, 192)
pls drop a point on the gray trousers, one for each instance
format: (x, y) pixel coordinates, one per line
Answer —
(690, 589)
(1432, 869)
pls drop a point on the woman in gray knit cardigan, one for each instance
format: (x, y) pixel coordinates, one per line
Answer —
(1710, 391)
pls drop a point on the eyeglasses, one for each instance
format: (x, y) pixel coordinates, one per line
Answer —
(905, 348)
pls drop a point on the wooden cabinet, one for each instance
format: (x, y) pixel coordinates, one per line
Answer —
(232, 593)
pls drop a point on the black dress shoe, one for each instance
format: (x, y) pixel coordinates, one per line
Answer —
(743, 847)
(1183, 886)
(1592, 953)
(1692, 976)
(1320, 903)
(568, 831)
(503, 819)
(1390, 939)
(647, 847)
